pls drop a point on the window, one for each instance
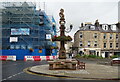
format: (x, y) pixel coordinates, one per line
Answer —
(104, 45)
(81, 35)
(41, 20)
(111, 36)
(92, 27)
(29, 46)
(104, 36)
(34, 39)
(116, 36)
(88, 43)
(95, 35)
(113, 27)
(95, 44)
(23, 47)
(80, 43)
(117, 45)
(105, 27)
(110, 45)
(17, 47)
(12, 46)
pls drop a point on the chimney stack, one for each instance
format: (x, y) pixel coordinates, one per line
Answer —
(81, 24)
(97, 23)
(118, 24)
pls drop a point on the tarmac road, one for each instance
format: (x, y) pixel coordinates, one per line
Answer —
(14, 71)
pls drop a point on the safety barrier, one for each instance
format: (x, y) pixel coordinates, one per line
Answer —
(39, 58)
(27, 58)
(36, 58)
(5, 58)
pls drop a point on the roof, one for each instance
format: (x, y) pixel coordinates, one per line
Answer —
(102, 28)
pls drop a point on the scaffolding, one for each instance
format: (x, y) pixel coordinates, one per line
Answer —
(23, 15)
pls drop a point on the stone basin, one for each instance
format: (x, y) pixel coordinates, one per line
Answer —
(63, 64)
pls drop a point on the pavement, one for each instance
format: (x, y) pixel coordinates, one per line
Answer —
(92, 71)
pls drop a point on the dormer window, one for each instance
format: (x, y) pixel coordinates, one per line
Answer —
(92, 27)
(113, 27)
(105, 27)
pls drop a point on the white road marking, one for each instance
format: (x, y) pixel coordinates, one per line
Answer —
(12, 76)
(3, 80)
(9, 77)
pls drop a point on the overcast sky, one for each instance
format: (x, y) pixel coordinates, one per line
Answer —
(79, 11)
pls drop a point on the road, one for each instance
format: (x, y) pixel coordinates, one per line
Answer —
(14, 70)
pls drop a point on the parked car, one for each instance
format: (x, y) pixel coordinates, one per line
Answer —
(115, 61)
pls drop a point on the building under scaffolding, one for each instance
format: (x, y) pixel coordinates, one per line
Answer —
(24, 27)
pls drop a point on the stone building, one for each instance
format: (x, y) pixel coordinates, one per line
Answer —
(98, 39)
(68, 46)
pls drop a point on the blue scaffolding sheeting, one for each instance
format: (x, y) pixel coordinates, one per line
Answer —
(24, 27)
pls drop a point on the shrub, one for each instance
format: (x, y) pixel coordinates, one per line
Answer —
(92, 56)
(100, 57)
(115, 56)
(54, 47)
(62, 38)
(89, 56)
(85, 56)
(78, 56)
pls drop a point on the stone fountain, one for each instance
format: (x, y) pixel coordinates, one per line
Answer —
(62, 62)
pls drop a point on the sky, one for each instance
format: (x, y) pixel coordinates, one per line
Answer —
(78, 11)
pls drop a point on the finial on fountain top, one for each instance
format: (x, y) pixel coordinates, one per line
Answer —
(62, 19)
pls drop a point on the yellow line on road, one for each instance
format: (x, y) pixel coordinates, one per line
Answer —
(26, 71)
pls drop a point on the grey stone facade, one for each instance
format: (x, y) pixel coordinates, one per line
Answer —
(98, 39)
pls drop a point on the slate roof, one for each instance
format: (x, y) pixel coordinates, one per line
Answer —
(91, 27)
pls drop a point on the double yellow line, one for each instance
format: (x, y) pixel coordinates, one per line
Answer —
(26, 71)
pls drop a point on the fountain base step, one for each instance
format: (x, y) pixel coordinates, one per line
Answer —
(63, 64)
